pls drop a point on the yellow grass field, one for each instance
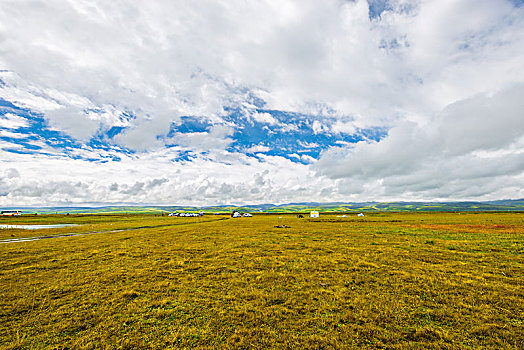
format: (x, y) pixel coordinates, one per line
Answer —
(386, 280)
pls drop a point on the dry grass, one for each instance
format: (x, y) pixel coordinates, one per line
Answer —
(412, 280)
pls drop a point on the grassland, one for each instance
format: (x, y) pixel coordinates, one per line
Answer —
(387, 280)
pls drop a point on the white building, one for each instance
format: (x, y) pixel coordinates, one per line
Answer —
(314, 214)
(10, 213)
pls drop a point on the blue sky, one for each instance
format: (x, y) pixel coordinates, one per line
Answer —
(297, 137)
(258, 102)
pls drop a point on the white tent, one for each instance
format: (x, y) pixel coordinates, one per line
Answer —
(314, 214)
(360, 214)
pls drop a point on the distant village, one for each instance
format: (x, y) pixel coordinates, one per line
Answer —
(234, 214)
(237, 214)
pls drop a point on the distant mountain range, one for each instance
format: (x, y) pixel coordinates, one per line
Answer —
(500, 205)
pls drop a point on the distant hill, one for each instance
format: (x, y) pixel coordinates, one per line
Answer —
(500, 205)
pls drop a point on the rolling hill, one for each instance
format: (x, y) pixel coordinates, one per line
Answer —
(501, 205)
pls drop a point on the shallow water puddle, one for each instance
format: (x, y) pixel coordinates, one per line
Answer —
(37, 227)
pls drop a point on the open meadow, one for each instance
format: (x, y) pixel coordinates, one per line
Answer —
(385, 280)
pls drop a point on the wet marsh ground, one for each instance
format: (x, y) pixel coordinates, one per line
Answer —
(386, 280)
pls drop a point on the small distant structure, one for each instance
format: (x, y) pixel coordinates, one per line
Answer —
(236, 214)
(247, 215)
(314, 214)
(11, 213)
(360, 214)
(217, 213)
(344, 216)
(200, 213)
(186, 214)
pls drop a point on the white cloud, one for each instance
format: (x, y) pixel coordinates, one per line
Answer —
(10, 134)
(12, 121)
(265, 118)
(216, 139)
(443, 77)
(343, 127)
(258, 148)
(11, 173)
(155, 178)
(308, 144)
(73, 122)
(318, 127)
(478, 141)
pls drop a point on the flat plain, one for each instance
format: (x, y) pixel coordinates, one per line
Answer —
(385, 280)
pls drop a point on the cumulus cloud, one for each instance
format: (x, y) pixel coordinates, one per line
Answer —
(216, 138)
(114, 77)
(233, 178)
(11, 173)
(474, 141)
(265, 118)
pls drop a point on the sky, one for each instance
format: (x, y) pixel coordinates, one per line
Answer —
(249, 102)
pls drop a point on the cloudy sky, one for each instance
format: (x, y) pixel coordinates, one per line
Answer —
(249, 101)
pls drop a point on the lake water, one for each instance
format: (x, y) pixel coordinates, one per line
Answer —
(36, 227)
